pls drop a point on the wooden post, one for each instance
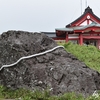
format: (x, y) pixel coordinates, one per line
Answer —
(81, 39)
(66, 37)
(87, 21)
(98, 44)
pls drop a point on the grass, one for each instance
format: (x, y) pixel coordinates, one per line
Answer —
(23, 94)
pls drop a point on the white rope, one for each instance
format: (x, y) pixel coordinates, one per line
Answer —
(34, 55)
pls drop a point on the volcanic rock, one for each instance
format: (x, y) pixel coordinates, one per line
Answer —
(58, 70)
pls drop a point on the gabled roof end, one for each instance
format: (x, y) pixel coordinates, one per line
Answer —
(88, 9)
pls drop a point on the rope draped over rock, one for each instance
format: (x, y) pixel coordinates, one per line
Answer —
(30, 56)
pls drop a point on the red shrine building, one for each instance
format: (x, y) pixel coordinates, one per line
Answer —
(84, 31)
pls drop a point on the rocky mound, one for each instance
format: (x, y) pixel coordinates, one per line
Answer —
(58, 70)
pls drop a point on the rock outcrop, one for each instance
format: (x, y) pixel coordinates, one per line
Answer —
(58, 70)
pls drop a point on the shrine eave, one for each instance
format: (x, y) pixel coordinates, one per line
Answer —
(64, 29)
(79, 28)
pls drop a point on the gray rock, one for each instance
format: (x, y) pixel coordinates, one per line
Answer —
(59, 71)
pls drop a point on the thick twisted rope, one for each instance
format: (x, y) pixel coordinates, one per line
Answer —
(30, 56)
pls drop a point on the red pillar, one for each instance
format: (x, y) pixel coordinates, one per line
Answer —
(98, 44)
(80, 39)
(66, 37)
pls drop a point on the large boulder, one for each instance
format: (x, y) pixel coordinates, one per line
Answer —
(58, 70)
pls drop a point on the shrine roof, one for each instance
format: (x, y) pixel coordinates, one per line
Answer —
(64, 29)
(87, 10)
(50, 34)
(71, 29)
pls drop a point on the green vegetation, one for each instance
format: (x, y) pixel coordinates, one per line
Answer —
(90, 55)
(23, 94)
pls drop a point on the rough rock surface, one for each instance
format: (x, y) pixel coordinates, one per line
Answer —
(59, 70)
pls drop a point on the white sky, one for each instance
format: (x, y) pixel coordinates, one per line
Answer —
(41, 15)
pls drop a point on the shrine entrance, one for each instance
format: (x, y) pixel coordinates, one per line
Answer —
(90, 42)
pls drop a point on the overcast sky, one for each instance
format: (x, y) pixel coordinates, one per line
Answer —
(41, 15)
